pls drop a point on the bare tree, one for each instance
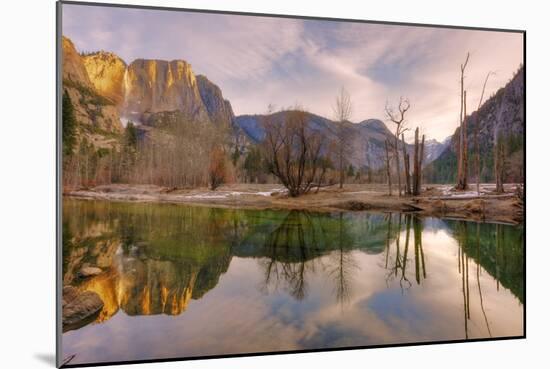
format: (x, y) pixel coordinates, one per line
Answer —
(407, 165)
(417, 168)
(499, 158)
(293, 151)
(217, 171)
(420, 161)
(369, 166)
(343, 109)
(476, 134)
(462, 175)
(388, 167)
(398, 118)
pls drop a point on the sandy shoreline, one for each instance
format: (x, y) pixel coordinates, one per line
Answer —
(436, 200)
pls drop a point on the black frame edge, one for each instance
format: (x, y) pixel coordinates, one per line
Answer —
(59, 184)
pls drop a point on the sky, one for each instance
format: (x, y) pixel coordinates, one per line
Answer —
(258, 61)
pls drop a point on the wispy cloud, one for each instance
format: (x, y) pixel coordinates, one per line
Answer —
(261, 60)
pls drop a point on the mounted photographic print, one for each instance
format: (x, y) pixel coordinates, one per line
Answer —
(242, 184)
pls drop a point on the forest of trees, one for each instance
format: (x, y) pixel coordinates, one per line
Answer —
(444, 170)
(181, 153)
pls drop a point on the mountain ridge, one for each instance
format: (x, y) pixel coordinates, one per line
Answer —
(502, 113)
(367, 138)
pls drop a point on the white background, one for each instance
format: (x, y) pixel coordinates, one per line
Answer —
(27, 182)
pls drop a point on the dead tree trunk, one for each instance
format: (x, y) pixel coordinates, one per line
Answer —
(462, 171)
(463, 176)
(420, 160)
(499, 164)
(342, 111)
(398, 117)
(397, 166)
(476, 135)
(417, 170)
(476, 148)
(415, 165)
(369, 170)
(406, 164)
(388, 168)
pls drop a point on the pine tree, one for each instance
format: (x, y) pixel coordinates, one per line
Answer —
(253, 165)
(351, 171)
(130, 135)
(129, 151)
(68, 125)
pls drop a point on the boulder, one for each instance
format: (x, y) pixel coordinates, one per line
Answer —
(79, 308)
(69, 294)
(89, 271)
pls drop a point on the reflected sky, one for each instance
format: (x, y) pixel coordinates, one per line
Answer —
(248, 290)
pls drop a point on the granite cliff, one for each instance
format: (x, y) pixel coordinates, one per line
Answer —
(107, 92)
(106, 71)
(95, 112)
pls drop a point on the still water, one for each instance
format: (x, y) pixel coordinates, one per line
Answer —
(184, 281)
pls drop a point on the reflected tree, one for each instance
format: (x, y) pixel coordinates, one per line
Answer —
(396, 263)
(399, 267)
(419, 262)
(462, 229)
(478, 272)
(293, 248)
(288, 253)
(342, 266)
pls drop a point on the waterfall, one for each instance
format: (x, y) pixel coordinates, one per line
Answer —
(126, 88)
(124, 106)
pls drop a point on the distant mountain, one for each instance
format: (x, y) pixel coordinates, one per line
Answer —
(367, 137)
(502, 114)
(433, 149)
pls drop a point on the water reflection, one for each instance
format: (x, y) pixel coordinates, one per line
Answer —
(292, 249)
(158, 259)
(397, 260)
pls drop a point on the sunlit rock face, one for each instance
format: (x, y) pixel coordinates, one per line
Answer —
(152, 287)
(157, 85)
(106, 286)
(143, 287)
(106, 91)
(106, 72)
(91, 107)
(73, 68)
